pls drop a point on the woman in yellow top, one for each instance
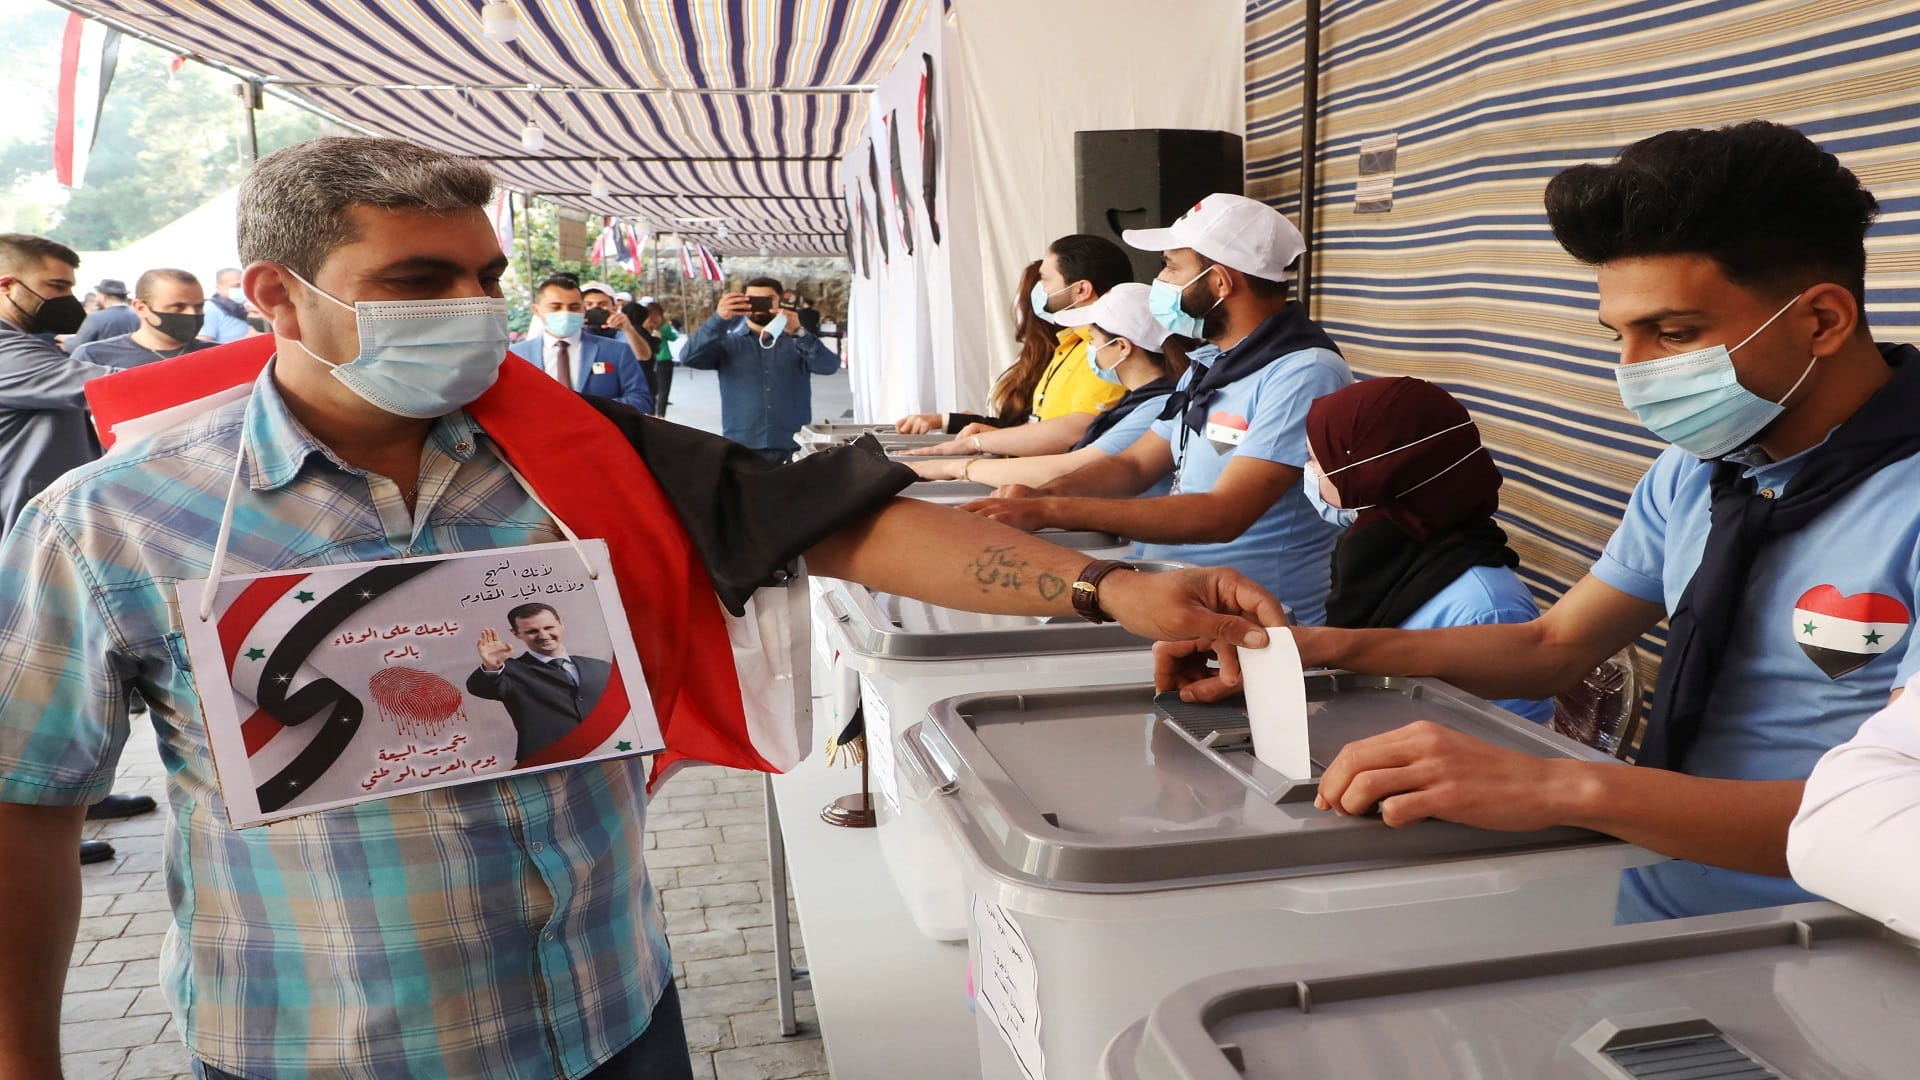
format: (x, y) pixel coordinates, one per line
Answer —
(1126, 347)
(1077, 271)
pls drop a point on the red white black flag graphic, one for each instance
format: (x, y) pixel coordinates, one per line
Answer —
(1842, 633)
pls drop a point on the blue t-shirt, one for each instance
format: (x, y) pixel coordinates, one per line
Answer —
(1289, 550)
(1127, 431)
(1823, 639)
(1482, 596)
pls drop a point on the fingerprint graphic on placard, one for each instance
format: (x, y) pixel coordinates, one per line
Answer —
(417, 703)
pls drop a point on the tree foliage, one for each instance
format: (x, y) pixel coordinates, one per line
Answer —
(168, 141)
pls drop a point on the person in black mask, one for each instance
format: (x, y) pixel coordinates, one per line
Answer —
(43, 413)
(44, 429)
(172, 308)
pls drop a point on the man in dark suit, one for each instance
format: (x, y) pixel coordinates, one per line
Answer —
(604, 367)
(546, 690)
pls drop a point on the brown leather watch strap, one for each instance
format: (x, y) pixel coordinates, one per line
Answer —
(1086, 590)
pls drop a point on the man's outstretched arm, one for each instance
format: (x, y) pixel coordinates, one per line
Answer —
(957, 560)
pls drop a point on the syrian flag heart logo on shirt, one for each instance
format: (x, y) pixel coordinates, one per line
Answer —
(1226, 432)
(1842, 634)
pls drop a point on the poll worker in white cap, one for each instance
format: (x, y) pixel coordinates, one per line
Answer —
(1233, 435)
(1126, 347)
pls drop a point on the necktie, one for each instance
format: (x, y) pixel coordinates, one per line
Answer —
(563, 366)
(566, 668)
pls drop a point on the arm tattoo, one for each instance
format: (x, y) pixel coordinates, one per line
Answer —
(998, 566)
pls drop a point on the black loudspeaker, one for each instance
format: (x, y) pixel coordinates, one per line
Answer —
(1145, 178)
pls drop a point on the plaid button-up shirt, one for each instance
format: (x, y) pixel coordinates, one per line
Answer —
(495, 929)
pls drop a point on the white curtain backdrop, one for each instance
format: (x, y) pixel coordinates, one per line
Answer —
(1013, 81)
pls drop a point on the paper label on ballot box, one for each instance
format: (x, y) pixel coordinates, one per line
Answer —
(332, 685)
(880, 754)
(1008, 981)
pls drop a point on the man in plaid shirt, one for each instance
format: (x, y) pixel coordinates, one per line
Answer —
(503, 928)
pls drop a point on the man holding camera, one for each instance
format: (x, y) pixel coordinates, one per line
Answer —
(764, 357)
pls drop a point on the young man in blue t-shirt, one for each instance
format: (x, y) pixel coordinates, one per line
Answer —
(1779, 531)
(1233, 436)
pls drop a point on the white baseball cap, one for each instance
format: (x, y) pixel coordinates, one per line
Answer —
(623, 296)
(608, 289)
(1241, 233)
(1123, 311)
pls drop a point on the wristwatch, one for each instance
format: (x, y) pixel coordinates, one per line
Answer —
(1086, 591)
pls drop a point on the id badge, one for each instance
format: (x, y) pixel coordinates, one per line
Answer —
(334, 685)
(601, 367)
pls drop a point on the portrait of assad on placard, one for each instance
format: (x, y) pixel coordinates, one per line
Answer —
(332, 685)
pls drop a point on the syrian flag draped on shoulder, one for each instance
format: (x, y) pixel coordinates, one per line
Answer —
(721, 684)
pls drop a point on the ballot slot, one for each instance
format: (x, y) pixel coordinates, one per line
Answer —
(1807, 991)
(899, 656)
(1123, 856)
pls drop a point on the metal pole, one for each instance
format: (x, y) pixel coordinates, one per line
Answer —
(1309, 149)
(526, 239)
(251, 94)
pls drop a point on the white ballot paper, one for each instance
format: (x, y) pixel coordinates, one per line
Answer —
(1276, 688)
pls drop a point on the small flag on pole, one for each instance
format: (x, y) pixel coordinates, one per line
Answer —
(88, 53)
(686, 260)
(502, 218)
(709, 265)
(603, 245)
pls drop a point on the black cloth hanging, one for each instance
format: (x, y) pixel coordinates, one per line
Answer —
(1884, 430)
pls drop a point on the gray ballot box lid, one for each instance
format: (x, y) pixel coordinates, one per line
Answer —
(1059, 789)
(1808, 992)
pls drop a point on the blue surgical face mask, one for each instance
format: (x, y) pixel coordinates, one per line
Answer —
(563, 323)
(1167, 302)
(1039, 298)
(1695, 400)
(1112, 374)
(421, 358)
(1329, 513)
(772, 331)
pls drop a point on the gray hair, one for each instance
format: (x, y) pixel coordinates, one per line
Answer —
(293, 204)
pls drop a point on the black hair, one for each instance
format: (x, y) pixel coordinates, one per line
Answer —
(569, 282)
(528, 611)
(1774, 211)
(765, 283)
(1095, 260)
(18, 251)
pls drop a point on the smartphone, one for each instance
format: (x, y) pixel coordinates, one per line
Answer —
(760, 305)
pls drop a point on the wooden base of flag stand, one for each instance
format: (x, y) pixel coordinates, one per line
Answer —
(853, 811)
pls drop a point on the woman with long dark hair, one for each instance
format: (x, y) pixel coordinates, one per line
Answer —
(1012, 397)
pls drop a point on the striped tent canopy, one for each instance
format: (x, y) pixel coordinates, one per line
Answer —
(721, 120)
